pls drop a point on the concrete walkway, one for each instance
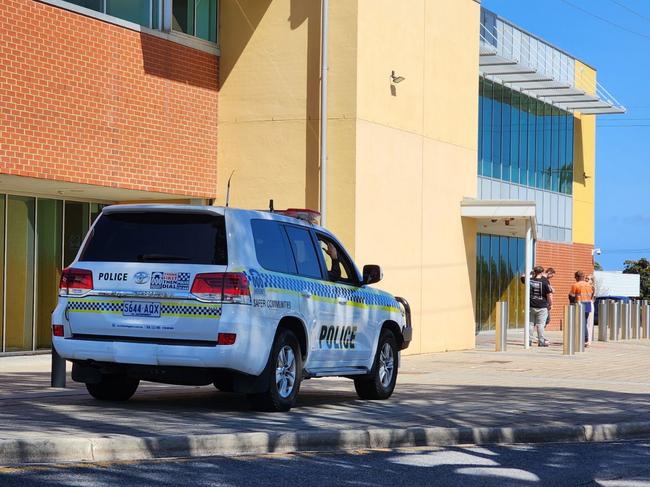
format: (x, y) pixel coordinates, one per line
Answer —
(608, 384)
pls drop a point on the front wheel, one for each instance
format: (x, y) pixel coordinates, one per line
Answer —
(285, 375)
(380, 383)
(113, 387)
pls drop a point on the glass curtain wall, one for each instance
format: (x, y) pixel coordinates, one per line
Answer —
(499, 265)
(38, 237)
(524, 140)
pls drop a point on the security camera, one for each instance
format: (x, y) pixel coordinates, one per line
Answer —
(598, 251)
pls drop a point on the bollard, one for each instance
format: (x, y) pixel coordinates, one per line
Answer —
(58, 369)
(614, 320)
(636, 319)
(625, 320)
(579, 326)
(568, 330)
(603, 320)
(645, 319)
(501, 344)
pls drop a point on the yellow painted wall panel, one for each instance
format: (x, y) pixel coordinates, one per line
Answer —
(451, 71)
(584, 167)
(448, 247)
(391, 38)
(388, 230)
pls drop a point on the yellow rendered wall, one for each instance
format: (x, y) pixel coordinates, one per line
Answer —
(584, 169)
(416, 159)
(269, 106)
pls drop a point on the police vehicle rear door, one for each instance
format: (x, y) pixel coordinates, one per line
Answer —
(147, 272)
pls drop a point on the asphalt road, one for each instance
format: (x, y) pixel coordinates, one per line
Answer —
(616, 464)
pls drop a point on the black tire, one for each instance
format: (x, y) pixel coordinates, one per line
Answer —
(113, 387)
(374, 385)
(275, 398)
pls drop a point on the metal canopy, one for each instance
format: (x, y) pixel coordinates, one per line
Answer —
(518, 76)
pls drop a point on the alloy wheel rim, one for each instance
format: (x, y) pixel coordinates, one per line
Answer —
(386, 365)
(285, 371)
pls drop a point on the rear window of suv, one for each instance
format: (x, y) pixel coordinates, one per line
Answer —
(183, 238)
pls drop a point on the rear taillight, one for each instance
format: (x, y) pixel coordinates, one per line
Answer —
(57, 330)
(75, 282)
(226, 338)
(222, 287)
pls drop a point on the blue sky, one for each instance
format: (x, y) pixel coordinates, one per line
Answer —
(621, 54)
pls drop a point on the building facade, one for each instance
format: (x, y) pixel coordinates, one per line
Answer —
(488, 136)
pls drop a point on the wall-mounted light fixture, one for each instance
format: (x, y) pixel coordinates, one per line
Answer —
(395, 78)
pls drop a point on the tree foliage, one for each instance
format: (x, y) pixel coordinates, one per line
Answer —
(597, 266)
(641, 267)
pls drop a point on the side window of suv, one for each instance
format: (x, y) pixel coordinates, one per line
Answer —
(271, 246)
(339, 267)
(304, 252)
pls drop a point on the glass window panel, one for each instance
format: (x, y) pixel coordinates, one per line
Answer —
(183, 16)
(2, 262)
(547, 146)
(494, 278)
(555, 150)
(532, 140)
(539, 144)
(487, 128)
(156, 14)
(206, 19)
(20, 266)
(523, 140)
(485, 283)
(514, 138)
(505, 133)
(77, 217)
(49, 231)
(569, 154)
(95, 210)
(512, 281)
(137, 11)
(562, 152)
(521, 249)
(91, 4)
(480, 125)
(496, 132)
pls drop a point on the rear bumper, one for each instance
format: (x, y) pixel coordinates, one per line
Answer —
(104, 349)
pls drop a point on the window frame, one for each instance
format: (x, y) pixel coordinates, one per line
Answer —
(163, 31)
(315, 247)
(344, 257)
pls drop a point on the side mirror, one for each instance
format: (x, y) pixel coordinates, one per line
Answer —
(371, 274)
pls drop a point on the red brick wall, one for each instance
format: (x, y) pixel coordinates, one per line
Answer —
(85, 101)
(566, 259)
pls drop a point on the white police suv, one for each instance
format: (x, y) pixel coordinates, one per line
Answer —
(250, 301)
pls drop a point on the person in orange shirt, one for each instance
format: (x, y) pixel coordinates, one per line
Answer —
(582, 293)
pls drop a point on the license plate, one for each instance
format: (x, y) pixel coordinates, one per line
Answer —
(141, 308)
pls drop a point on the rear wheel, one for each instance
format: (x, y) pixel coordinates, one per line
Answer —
(285, 375)
(113, 387)
(380, 383)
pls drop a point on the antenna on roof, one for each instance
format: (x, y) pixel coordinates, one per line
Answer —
(228, 189)
(271, 206)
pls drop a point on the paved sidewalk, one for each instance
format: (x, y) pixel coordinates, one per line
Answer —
(479, 388)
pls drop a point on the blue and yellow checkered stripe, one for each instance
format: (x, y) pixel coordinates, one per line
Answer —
(324, 291)
(174, 310)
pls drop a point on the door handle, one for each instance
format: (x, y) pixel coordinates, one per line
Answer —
(305, 294)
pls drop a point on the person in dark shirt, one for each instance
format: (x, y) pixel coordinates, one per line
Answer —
(549, 274)
(541, 299)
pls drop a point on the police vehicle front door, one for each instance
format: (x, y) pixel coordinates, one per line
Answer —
(343, 337)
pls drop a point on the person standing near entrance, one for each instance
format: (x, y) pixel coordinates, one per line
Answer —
(541, 298)
(548, 275)
(581, 293)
